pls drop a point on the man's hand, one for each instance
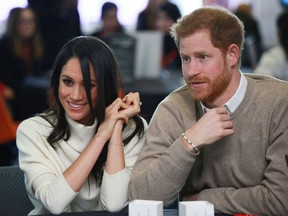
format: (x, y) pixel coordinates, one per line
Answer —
(212, 126)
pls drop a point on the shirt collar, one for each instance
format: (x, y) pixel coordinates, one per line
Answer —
(232, 104)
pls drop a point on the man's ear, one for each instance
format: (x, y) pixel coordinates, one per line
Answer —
(233, 55)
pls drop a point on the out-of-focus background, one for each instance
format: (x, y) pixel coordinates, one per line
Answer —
(265, 11)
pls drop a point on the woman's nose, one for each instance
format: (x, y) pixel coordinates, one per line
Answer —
(77, 93)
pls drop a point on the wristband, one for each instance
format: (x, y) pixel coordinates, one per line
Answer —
(191, 144)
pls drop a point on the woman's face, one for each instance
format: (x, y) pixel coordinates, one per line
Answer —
(110, 20)
(26, 24)
(72, 94)
(163, 22)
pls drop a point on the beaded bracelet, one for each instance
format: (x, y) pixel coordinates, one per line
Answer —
(191, 144)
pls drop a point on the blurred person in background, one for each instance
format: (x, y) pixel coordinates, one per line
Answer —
(274, 61)
(8, 151)
(6, 92)
(253, 40)
(22, 56)
(168, 13)
(110, 24)
(59, 21)
(146, 19)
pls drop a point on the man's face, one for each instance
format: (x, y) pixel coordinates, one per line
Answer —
(205, 68)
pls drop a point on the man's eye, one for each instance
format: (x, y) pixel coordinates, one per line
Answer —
(185, 58)
(202, 57)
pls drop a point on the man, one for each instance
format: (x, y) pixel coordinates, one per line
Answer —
(223, 136)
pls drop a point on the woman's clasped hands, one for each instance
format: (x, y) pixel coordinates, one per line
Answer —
(121, 110)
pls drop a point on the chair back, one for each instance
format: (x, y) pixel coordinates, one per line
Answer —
(13, 196)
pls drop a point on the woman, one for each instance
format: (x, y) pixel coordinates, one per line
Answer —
(168, 13)
(78, 155)
(146, 19)
(110, 23)
(22, 56)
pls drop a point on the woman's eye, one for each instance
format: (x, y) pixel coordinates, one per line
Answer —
(67, 81)
(93, 84)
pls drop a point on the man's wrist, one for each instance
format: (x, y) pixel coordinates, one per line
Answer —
(192, 147)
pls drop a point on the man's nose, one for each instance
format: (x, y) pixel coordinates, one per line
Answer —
(193, 68)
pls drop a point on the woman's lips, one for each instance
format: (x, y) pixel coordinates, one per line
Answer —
(75, 106)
